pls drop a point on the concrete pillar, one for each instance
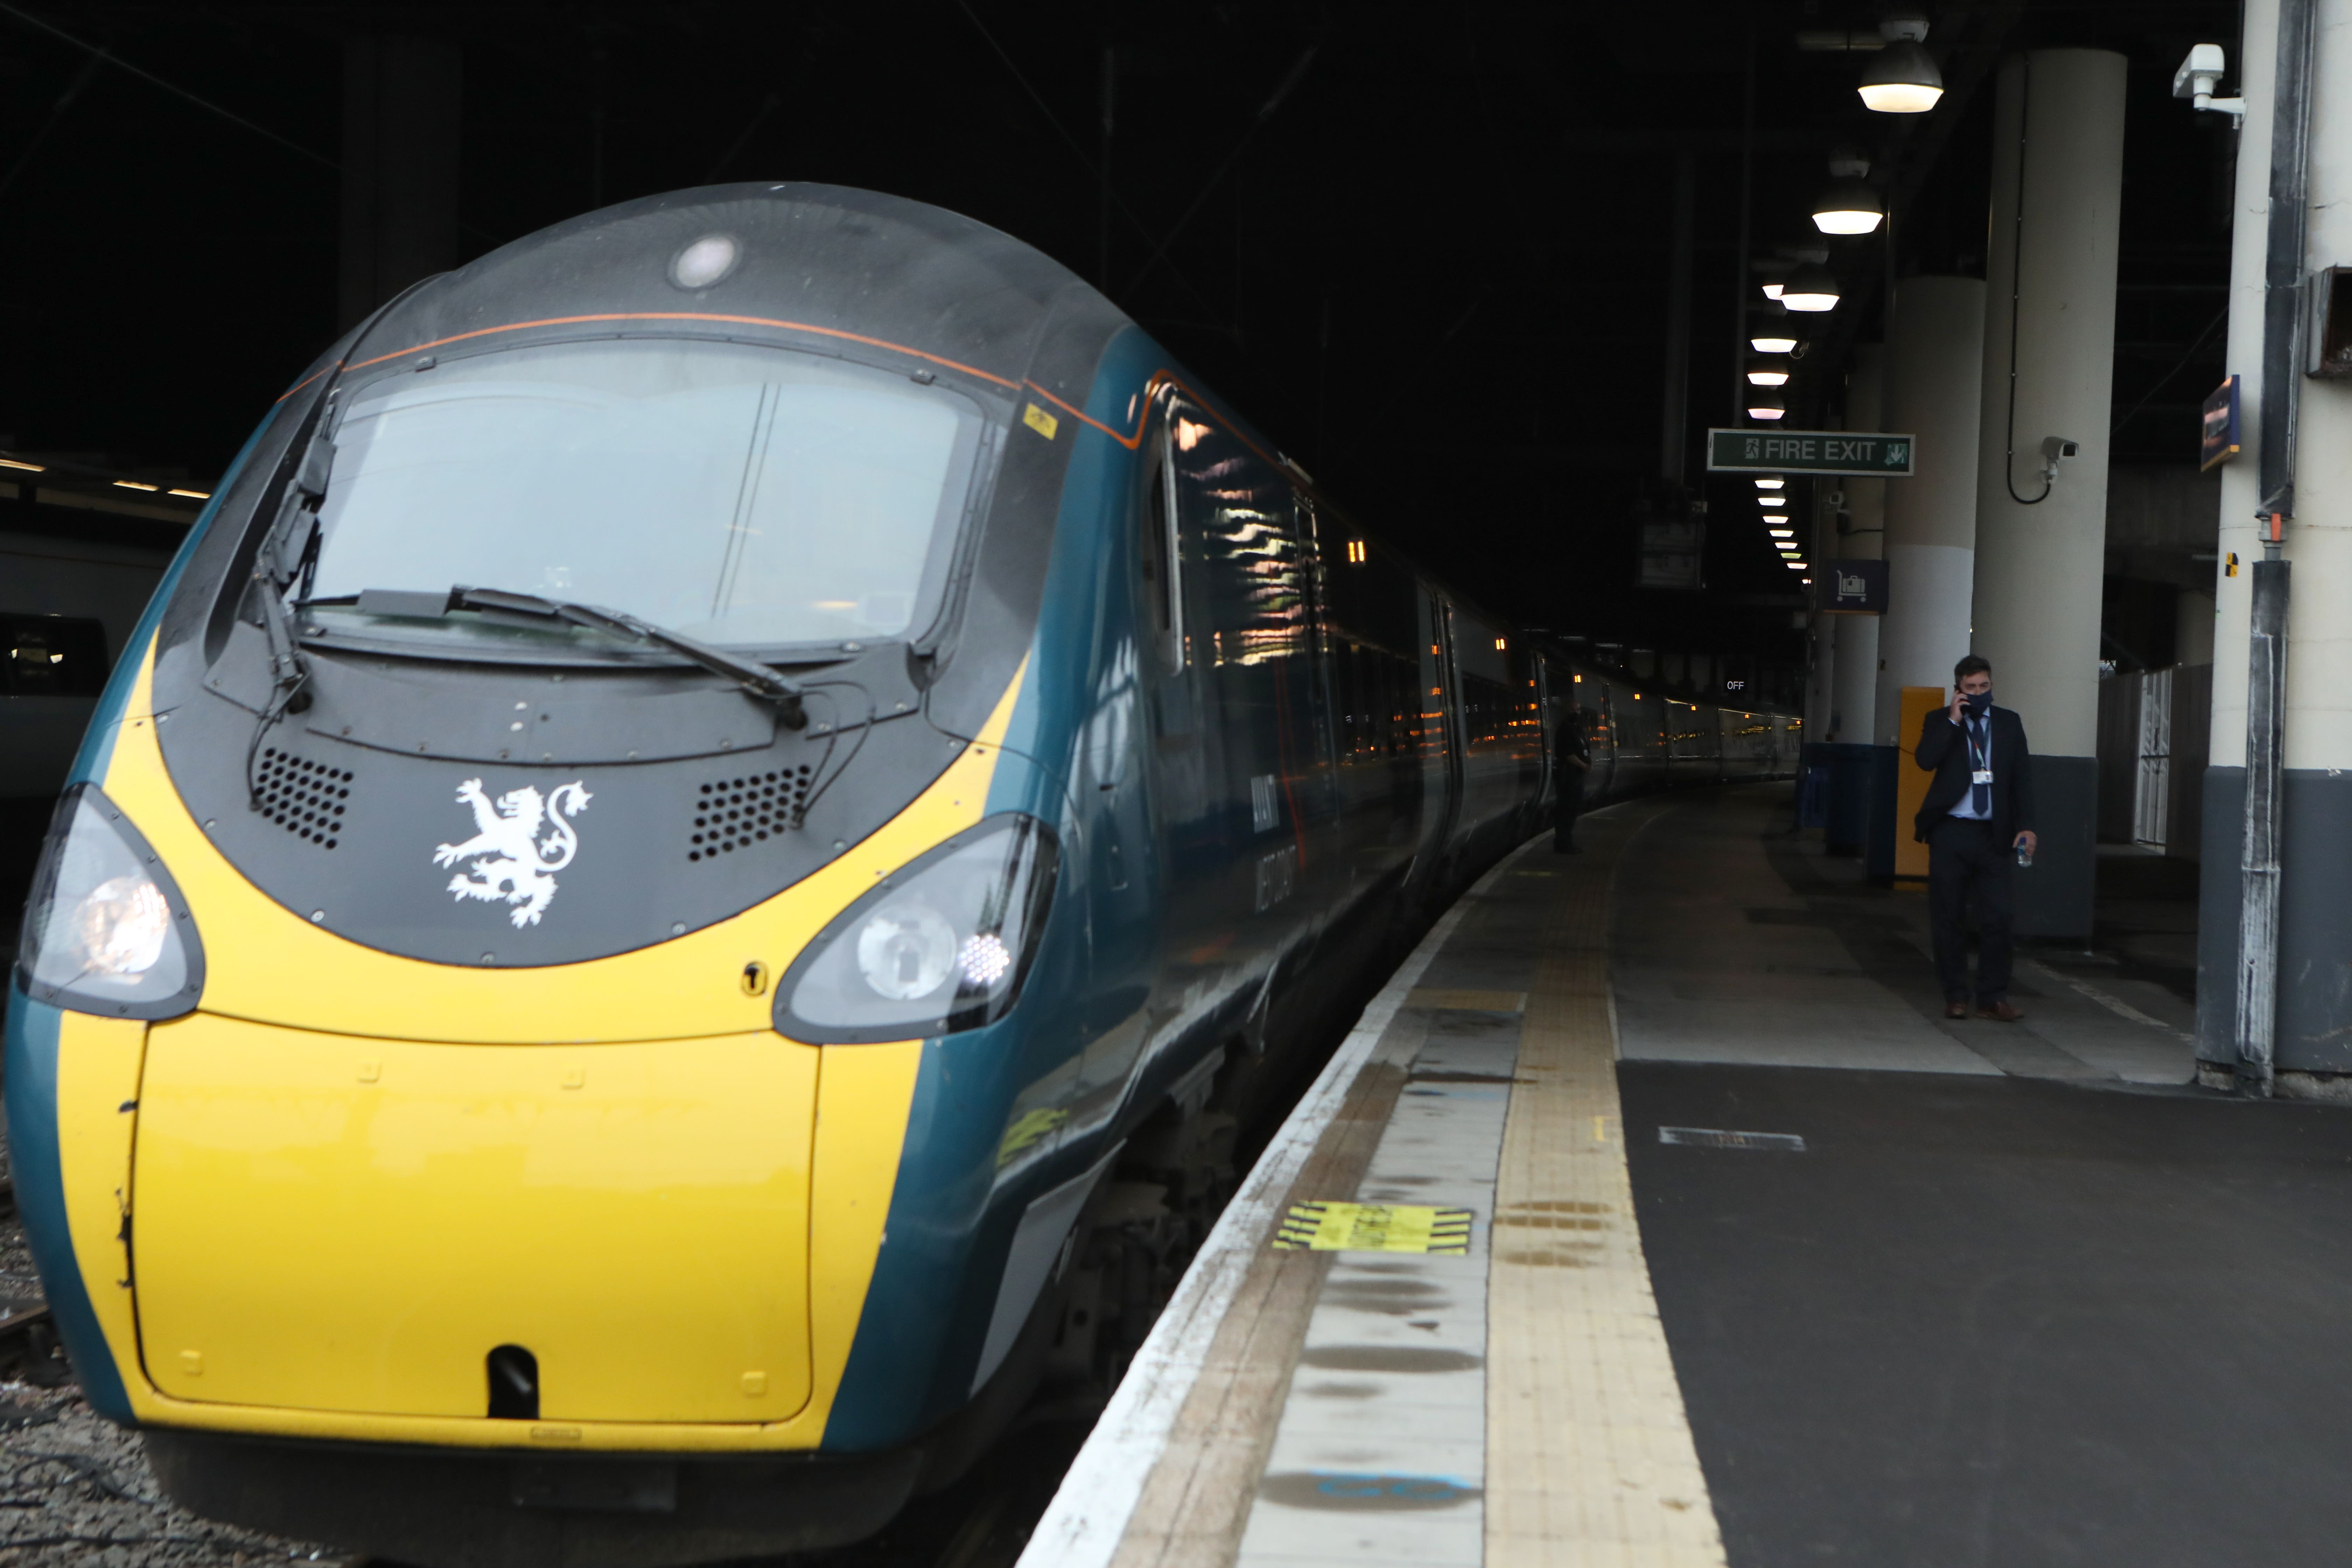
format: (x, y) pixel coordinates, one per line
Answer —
(1817, 530)
(2312, 1042)
(401, 103)
(1854, 693)
(2049, 374)
(1936, 360)
(2192, 630)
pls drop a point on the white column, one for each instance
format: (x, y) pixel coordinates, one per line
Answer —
(1855, 679)
(2049, 375)
(1936, 362)
(1817, 529)
(2313, 1042)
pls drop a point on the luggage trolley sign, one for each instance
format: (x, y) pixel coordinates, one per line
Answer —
(1754, 451)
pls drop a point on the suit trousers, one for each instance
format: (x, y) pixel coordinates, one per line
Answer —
(1968, 860)
(1568, 803)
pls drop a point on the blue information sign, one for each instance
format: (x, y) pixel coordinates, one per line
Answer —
(1851, 588)
(2220, 442)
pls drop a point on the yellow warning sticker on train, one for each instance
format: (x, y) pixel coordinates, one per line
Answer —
(1040, 421)
(1373, 1227)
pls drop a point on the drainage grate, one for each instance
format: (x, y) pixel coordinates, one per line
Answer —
(1716, 1138)
(735, 813)
(304, 797)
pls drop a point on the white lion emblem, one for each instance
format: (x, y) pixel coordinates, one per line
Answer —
(510, 861)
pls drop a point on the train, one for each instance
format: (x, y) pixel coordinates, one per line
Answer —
(678, 897)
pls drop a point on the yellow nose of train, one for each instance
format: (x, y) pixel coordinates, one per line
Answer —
(365, 1187)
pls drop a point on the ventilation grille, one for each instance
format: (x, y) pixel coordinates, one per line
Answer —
(303, 797)
(735, 813)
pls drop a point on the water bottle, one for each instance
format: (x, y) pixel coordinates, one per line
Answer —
(2024, 857)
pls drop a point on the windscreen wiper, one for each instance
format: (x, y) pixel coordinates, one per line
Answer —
(755, 679)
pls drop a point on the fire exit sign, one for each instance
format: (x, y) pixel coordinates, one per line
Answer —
(1756, 451)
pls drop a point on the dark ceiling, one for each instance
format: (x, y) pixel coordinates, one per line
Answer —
(1435, 272)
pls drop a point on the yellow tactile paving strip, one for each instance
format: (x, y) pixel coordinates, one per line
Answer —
(1197, 1499)
(1588, 1460)
(1588, 1454)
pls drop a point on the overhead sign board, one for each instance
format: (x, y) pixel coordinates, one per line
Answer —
(1851, 588)
(2220, 442)
(1672, 555)
(1754, 451)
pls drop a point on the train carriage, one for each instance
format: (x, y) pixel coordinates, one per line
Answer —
(727, 803)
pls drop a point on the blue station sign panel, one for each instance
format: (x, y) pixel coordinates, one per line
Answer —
(1752, 451)
(2221, 439)
(1851, 588)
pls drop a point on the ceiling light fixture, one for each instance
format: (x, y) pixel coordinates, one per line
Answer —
(1765, 373)
(1809, 288)
(1766, 405)
(1772, 343)
(1769, 484)
(1902, 78)
(1848, 207)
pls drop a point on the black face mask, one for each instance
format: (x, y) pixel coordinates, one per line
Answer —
(1980, 703)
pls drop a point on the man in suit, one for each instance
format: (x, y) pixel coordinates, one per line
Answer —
(1977, 818)
(1571, 760)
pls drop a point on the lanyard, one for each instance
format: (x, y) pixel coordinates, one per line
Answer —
(1978, 760)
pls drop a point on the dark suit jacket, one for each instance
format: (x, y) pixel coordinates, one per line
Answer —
(1943, 749)
(1569, 750)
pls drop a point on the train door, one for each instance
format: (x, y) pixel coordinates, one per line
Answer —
(1192, 848)
(1551, 710)
(1314, 716)
(1127, 797)
(1601, 736)
(1440, 739)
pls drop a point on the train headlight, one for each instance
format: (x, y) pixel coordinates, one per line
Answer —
(106, 930)
(941, 946)
(905, 950)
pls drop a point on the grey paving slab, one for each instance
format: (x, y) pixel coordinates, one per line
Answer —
(1739, 943)
(1381, 1453)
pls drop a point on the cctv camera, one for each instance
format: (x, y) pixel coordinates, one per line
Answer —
(2055, 449)
(2200, 72)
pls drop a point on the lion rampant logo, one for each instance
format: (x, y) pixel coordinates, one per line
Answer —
(512, 863)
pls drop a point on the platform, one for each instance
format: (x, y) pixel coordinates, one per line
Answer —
(1982, 1293)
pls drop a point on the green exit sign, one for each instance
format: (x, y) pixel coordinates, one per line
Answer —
(1755, 451)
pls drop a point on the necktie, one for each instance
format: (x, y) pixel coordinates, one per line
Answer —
(1980, 794)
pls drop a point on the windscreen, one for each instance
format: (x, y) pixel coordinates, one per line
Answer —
(748, 497)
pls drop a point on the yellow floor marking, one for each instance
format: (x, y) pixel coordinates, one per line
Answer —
(1589, 1452)
(1467, 1001)
(1373, 1227)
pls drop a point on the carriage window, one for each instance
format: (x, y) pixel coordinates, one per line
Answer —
(53, 655)
(1158, 548)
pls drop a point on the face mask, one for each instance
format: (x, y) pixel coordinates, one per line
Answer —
(1980, 702)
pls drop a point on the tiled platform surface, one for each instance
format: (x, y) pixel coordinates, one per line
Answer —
(1738, 942)
(1515, 1403)
(2025, 1295)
